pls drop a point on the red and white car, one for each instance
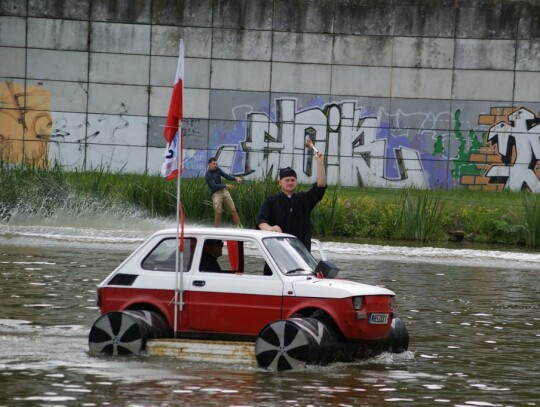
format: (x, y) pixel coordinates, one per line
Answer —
(270, 289)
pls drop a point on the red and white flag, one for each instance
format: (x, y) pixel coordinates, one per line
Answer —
(173, 125)
(169, 168)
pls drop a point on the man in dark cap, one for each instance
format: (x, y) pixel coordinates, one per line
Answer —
(290, 211)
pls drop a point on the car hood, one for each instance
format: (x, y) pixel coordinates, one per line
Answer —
(335, 288)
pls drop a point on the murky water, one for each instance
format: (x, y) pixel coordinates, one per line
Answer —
(473, 317)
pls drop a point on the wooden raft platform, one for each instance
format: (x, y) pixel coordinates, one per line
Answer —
(204, 351)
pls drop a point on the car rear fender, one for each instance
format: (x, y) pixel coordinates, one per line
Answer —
(146, 306)
(140, 303)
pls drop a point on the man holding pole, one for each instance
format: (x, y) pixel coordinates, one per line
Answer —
(219, 191)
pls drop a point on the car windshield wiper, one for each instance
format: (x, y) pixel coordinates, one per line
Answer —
(296, 270)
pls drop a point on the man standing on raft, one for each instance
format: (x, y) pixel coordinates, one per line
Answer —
(220, 194)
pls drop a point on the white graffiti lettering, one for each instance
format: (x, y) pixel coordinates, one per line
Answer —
(354, 155)
(518, 141)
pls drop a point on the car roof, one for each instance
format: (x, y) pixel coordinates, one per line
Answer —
(222, 232)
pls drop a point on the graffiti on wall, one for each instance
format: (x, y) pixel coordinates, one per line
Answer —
(363, 146)
(517, 142)
(509, 156)
(354, 154)
(30, 132)
(25, 124)
(100, 140)
(361, 150)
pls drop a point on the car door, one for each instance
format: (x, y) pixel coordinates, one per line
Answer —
(241, 298)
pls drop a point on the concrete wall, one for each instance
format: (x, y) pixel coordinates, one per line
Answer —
(425, 93)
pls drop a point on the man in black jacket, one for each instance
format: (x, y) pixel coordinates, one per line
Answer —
(290, 211)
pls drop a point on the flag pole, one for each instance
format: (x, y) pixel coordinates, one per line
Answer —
(179, 291)
(179, 286)
(172, 168)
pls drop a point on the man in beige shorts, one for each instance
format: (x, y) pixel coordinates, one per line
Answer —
(220, 194)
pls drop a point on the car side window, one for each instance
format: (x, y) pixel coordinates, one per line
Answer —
(221, 256)
(233, 256)
(254, 262)
(163, 256)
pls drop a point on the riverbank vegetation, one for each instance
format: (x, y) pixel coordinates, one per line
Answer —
(420, 216)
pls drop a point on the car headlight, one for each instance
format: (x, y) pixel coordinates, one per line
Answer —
(358, 302)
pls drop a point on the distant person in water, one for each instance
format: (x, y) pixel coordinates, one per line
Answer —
(219, 191)
(290, 211)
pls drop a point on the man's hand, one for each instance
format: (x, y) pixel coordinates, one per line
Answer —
(321, 173)
(229, 186)
(239, 180)
(266, 226)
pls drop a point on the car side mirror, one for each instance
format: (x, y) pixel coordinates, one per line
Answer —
(327, 268)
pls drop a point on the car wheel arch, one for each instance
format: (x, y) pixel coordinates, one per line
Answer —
(144, 306)
(315, 312)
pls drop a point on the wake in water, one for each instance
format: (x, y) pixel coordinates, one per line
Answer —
(72, 219)
(458, 257)
(128, 231)
(89, 230)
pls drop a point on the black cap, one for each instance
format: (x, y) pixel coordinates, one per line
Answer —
(287, 172)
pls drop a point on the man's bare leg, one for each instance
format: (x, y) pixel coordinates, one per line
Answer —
(217, 219)
(236, 218)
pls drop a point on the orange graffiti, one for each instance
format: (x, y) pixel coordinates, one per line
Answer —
(484, 160)
(25, 124)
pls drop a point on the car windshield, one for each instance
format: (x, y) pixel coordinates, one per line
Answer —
(291, 255)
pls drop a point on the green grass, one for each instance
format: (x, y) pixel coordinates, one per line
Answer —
(419, 216)
(531, 217)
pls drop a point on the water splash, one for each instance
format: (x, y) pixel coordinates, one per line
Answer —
(53, 213)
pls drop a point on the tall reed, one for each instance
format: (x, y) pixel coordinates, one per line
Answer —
(30, 189)
(531, 206)
(158, 196)
(421, 217)
(326, 214)
(249, 196)
(147, 192)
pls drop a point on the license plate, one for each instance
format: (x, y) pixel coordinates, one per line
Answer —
(378, 318)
